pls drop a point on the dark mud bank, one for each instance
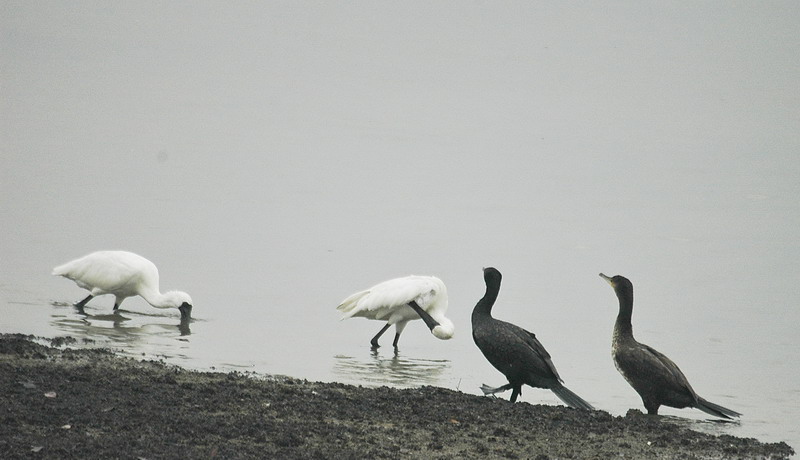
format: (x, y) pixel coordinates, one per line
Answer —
(65, 403)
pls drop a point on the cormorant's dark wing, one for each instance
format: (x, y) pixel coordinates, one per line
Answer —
(653, 375)
(529, 338)
(512, 350)
(672, 368)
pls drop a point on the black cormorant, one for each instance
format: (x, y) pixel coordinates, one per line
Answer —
(514, 351)
(654, 376)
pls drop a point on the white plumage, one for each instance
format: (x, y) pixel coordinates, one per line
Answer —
(400, 300)
(122, 274)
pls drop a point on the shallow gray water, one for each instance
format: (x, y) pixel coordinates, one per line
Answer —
(273, 160)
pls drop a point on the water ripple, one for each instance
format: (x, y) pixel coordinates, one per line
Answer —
(394, 370)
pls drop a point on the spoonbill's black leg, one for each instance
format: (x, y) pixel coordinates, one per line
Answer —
(396, 338)
(82, 303)
(374, 340)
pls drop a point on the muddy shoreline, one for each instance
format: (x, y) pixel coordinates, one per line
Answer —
(90, 403)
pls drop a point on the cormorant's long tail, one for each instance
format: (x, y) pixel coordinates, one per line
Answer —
(570, 398)
(715, 409)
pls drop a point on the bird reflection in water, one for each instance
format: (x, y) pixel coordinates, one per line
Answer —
(123, 328)
(391, 368)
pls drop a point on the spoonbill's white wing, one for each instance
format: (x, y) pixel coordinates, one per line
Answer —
(381, 300)
(106, 271)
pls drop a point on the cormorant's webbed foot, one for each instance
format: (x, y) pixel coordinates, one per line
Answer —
(487, 390)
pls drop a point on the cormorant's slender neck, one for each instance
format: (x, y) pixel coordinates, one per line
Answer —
(623, 324)
(484, 306)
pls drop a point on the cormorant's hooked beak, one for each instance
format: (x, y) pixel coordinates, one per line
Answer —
(608, 279)
(186, 310)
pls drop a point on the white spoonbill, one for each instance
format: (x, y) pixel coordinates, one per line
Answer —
(400, 300)
(123, 274)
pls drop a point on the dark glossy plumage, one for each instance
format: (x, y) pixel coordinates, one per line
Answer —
(514, 351)
(655, 377)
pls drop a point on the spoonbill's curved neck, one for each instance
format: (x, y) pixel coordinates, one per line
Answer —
(155, 298)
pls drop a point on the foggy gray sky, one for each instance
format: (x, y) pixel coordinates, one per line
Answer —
(610, 78)
(481, 101)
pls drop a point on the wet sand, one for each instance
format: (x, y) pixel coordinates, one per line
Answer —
(59, 402)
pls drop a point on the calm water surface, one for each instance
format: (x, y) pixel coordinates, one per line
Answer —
(272, 172)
